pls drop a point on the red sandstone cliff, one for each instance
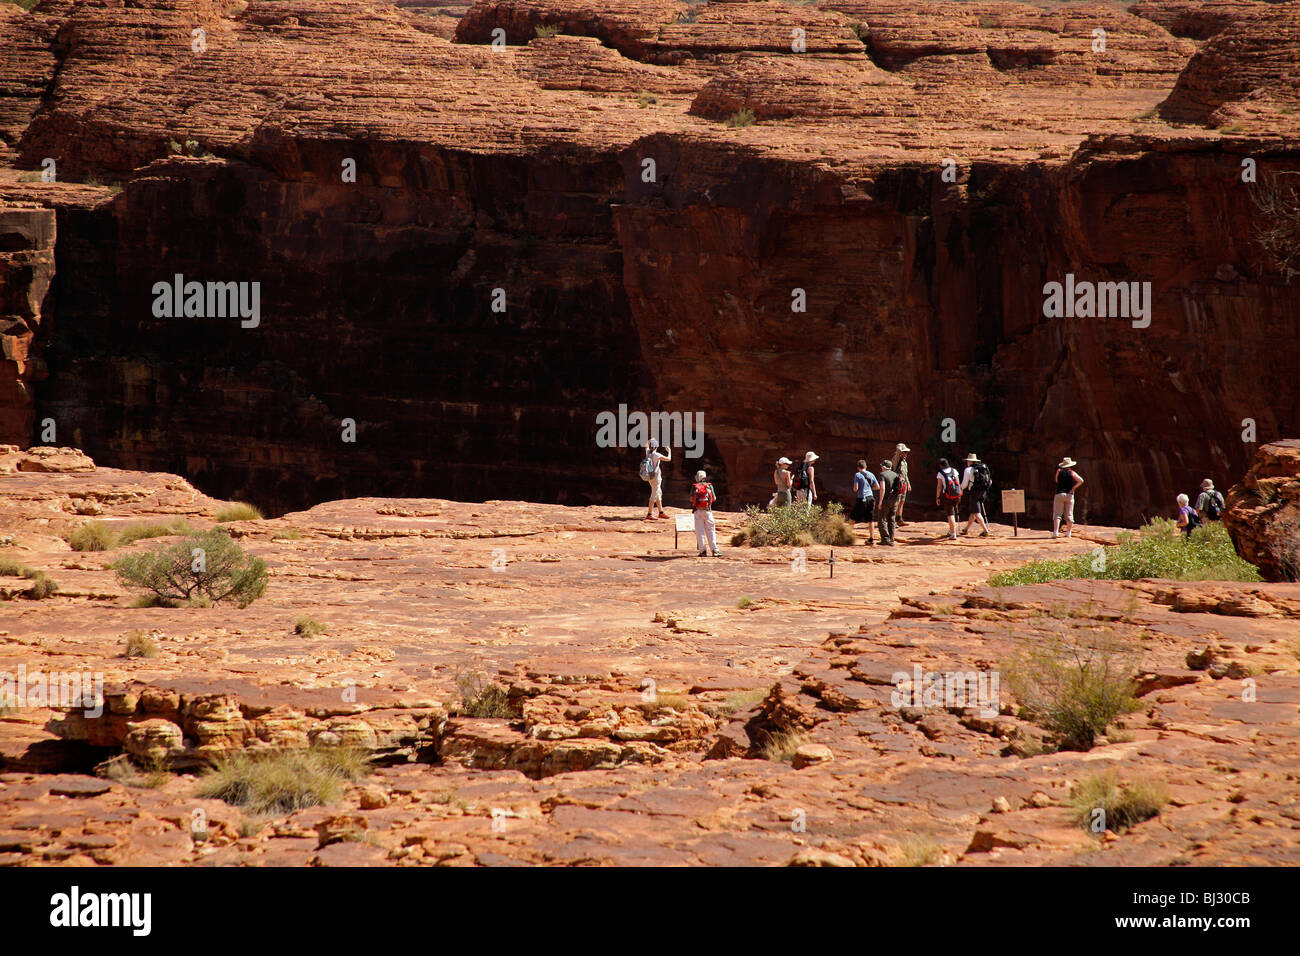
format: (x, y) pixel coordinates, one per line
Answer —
(524, 169)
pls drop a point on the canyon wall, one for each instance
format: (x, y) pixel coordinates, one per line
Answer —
(668, 286)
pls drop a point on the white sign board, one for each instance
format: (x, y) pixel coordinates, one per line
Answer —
(685, 522)
(1013, 501)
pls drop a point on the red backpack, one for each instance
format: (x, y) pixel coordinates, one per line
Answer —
(700, 497)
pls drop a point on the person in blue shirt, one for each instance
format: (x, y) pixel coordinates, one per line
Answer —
(865, 489)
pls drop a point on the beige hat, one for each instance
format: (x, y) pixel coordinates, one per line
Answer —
(1067, 462)
(901, 447)
(783, 461)
(972, 457)
(1206, 484)
(810, 457)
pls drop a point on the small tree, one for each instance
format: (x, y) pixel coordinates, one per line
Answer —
(208, 566)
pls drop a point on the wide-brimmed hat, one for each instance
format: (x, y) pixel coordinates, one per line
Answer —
(1207, 483)
(701, 476)
(811, 456)
(784, 461)
(972, 457)
(901, 447)
(1067, 462)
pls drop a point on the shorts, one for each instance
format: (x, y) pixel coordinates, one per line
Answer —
(1063, 508)
(951, 507)
(656, 495)
(863, 510)
(976, 505)
(782, 497)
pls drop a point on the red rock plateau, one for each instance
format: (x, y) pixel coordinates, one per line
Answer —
(643, 689)
(1088, 140)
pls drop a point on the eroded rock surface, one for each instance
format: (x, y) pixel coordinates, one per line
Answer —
(1263, 512)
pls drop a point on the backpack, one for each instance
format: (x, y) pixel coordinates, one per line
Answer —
(1193, 521)
(951, 485)
(1214, 506)
(799, 476)
(981, 479)
(700, 497)
(648, 466)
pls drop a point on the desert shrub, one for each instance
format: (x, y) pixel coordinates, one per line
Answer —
(92, 536)
(920, 850)
(207, 567)
(287, 534)
(545, 32)
(646, 99)
(781, 746)
(281, 781)
(480, 697)
(1075, 686)
(238, 511)
(25, 4)
(744, 603)
(308, 627)
(139, 530)
(1124, 804)
(794, 525)
(140, 644)
(741, 119)
(1277, 221)
(1158, 550)
(42, 585)
(743, 700)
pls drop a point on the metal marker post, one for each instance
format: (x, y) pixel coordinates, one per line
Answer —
(832, 562)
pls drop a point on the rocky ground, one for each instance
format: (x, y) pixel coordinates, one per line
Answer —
(644, 683)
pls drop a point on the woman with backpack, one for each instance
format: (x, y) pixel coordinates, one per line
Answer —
(652, 473)
(1067, 483)
(947, 495)
(805, 481)
(1188, 519)
(702, 499)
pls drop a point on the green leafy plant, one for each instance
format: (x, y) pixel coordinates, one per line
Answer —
(742, 118)
(545, 32)
(1158, 550)
(207, 567)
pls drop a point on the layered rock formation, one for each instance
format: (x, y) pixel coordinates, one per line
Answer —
(1263, 512)
(524, 169)
(26, 271)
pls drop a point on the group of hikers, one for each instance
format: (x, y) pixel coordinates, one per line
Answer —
(878, 500)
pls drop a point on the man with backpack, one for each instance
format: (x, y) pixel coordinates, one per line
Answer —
(804, 480)
(865, 488)
(1209, 504)
(885, 510)
(976, 481)
(702, 499)
(947, 495)
(651, 472)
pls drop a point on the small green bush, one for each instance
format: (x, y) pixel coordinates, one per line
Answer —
(1075, 686)
(1123, 804)
(545, 32)
(92, 536)
(1159, 550)
(238, 511)
(282, 781)
(42, 585)
(207, 567)
(741, 119)
(482, 698)
(794, 524)
(308, 627)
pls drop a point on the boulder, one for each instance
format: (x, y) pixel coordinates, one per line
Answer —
(1262, 513)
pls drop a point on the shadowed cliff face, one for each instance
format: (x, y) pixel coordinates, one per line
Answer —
(524, 170)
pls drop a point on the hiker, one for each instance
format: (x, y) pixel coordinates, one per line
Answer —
(865, 488)
(805, 480)
(1188, 519)
(898, 464)
(1067, 482)
(652, 473)
(886, 511)
(1209, 503)
(783, 478)
(947, 495)
(976, 481)
(702, 498)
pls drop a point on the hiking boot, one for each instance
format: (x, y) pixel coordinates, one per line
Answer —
(702, 554)
(717, 554)
(900, 522)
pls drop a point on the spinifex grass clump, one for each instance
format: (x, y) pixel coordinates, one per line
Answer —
(1075, 686)
(42, 585)
(207, 567)
(281, 781)
(1121, 805)
(1158, 550)
(794, 524)
(238, 511)
(97, 536)
(482, 698)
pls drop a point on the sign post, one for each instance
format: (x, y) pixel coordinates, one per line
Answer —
(1013, 501)
(682, 523)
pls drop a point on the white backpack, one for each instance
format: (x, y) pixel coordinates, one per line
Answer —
(648, 467)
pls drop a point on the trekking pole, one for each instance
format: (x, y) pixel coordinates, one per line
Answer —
(832, 562)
